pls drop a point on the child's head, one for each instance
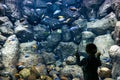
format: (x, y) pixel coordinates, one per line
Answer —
(91, 48)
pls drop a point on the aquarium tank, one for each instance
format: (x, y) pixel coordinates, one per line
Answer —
(39, 39)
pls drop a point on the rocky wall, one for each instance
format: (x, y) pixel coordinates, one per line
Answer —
(46, 33)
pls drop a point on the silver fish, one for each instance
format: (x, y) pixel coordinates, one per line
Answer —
(56, 12)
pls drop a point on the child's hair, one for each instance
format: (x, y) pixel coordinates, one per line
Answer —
(91, 48)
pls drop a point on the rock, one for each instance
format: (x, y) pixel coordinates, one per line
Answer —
(28, 54)
(58, 63)
(1, 66)
(76, 34)
(104, 72)
(28, 3)
(76, 79)
(54, 38)
(68, 3)
(105, 9)
(117, 33)
(2, 38)
(92, 3)
(80, 23)
(66, 34)
(6, 26)
(108, 79)
(53, 72)
(49, 58)
(90, 7)
(82, 46)
(118, 78)
(41, 32)
(52, 41)
(32, 17)
(15, 15)
(52, 22)
(6, 30)
(100, 27)
(45, 77)
(15, 10)
(63, 78)
(37, 3)
(113, 51)
(115, 56)
(45, 46)
(2, 9)
(39, 70)
(10, 53)
(115, 7)
(70, 60)
(23, 32)
(4, 19)
(65, 49)
(32, 77)
(71, 13)
(103, 43)
(40, 12)
(41, 4)
(24, 73)
(34, 10)
(88, 36)
(73, 70)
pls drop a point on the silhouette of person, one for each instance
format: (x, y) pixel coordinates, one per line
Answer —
(90, 63)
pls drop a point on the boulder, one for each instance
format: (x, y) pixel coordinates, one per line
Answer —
(33, 16)
(28, 3)
(10, 53)
(34, 3)
(115, 56)
(87, 37)
(53, 23)
(66, 34)
(5, 20)
(113, 51)
(2, 38)
(80, 23)
(116, 8)
(108, 79)
(54, 38)
(14, 11)
(103, 25)
(41, 32)
(52, 41)
(117, 33)
(105, 9)
(70, 60)
(71, 13)
(28, 54)
(34, 10)
(6, 31)
(39, 70)
(92, 3)
(23, 32)
(76, 34)
(104, 72)
(68, 2)
(90, 7)
(65, 49)
(73, 70)
(49, 58)
(6, 26)
(103, 43)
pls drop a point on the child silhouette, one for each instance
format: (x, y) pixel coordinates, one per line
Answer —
(91, 63)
